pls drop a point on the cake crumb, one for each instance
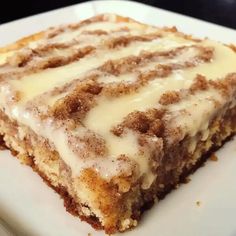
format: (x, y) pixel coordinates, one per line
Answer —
(213, 157)
(198, 203)
(186, 180)
(89, 234)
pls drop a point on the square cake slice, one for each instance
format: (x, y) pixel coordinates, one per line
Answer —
(113, 113)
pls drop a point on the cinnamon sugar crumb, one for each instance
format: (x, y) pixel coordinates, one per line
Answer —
(198, 203)
(123, 41)
(200, 83)
(207, 53)
(95, 32)
(225, 85)
(149, 122)
(160, 71)
(170, 97)
(213, 157)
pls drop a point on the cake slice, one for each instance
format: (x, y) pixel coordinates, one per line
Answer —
(113, 113)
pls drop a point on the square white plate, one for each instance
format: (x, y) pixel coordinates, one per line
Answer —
(31, 208)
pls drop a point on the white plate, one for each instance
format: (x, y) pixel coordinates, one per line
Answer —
(31, 208)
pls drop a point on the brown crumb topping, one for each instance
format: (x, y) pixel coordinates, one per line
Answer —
(161, 71)
(148, 122)
(170, 97)
(119, 89)
(91, 145)
(226, 86)
(124, 41)
(206, 53)
(78, 102)
(200, 83)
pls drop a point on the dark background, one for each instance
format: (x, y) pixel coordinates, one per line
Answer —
(222, 12)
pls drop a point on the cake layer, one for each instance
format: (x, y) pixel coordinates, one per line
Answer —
(113, 109)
